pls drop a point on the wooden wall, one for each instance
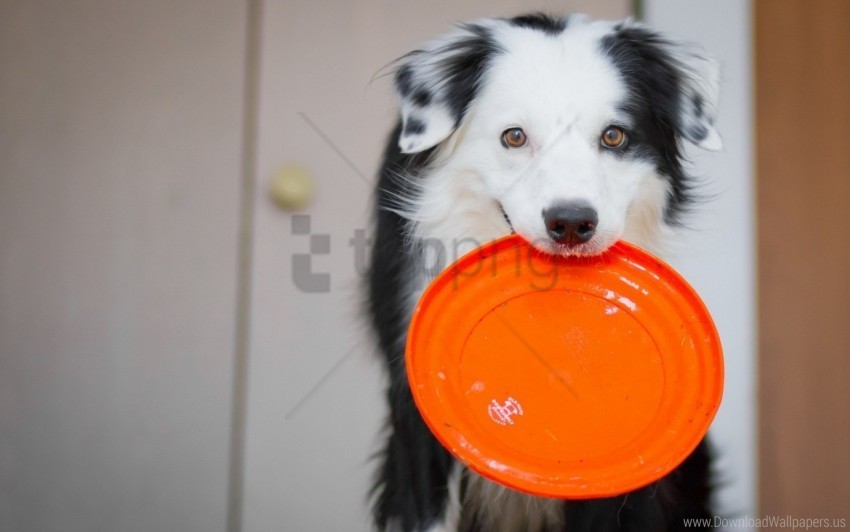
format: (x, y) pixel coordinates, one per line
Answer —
(803, 113)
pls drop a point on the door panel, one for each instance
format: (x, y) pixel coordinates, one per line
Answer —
(315, 405)
(120, 129)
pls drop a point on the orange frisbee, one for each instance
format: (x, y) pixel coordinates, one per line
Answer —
(565, 377)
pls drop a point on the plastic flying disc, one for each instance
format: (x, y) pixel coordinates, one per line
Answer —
(565, 377)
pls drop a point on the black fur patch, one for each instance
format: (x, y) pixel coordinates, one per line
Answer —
(414, 126)
(699, 104)
(655, 85)
(422, 98)
(404, 80)
(541, 22)
(697, 133)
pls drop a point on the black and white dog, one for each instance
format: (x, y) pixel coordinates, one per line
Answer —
(569, 132)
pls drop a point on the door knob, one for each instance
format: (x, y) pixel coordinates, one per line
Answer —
(291, 187)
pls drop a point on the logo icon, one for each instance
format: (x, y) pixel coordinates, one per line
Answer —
(302, 269)
(503, 413)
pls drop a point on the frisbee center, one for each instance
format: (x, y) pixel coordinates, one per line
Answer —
(562, 374)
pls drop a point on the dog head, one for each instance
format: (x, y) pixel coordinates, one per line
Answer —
(572, 127)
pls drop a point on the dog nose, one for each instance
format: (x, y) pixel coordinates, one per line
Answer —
(571, 223)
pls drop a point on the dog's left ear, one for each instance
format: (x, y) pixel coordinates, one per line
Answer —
(436, 84)
(676, 80)
(698, 98)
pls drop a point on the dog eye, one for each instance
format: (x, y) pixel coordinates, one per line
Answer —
(613, 137)
(514, 138)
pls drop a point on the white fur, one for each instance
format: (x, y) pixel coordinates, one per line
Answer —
(506, 510)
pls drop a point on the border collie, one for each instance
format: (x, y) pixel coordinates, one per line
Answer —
(569, 132)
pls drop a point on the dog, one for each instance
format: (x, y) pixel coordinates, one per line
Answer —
(568, 131)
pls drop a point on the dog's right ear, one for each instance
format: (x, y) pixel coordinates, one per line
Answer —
(436, 84)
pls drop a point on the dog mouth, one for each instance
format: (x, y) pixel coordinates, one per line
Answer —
(507, 219)
(591, 248)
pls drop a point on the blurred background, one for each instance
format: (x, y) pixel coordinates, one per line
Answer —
(164, 363)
